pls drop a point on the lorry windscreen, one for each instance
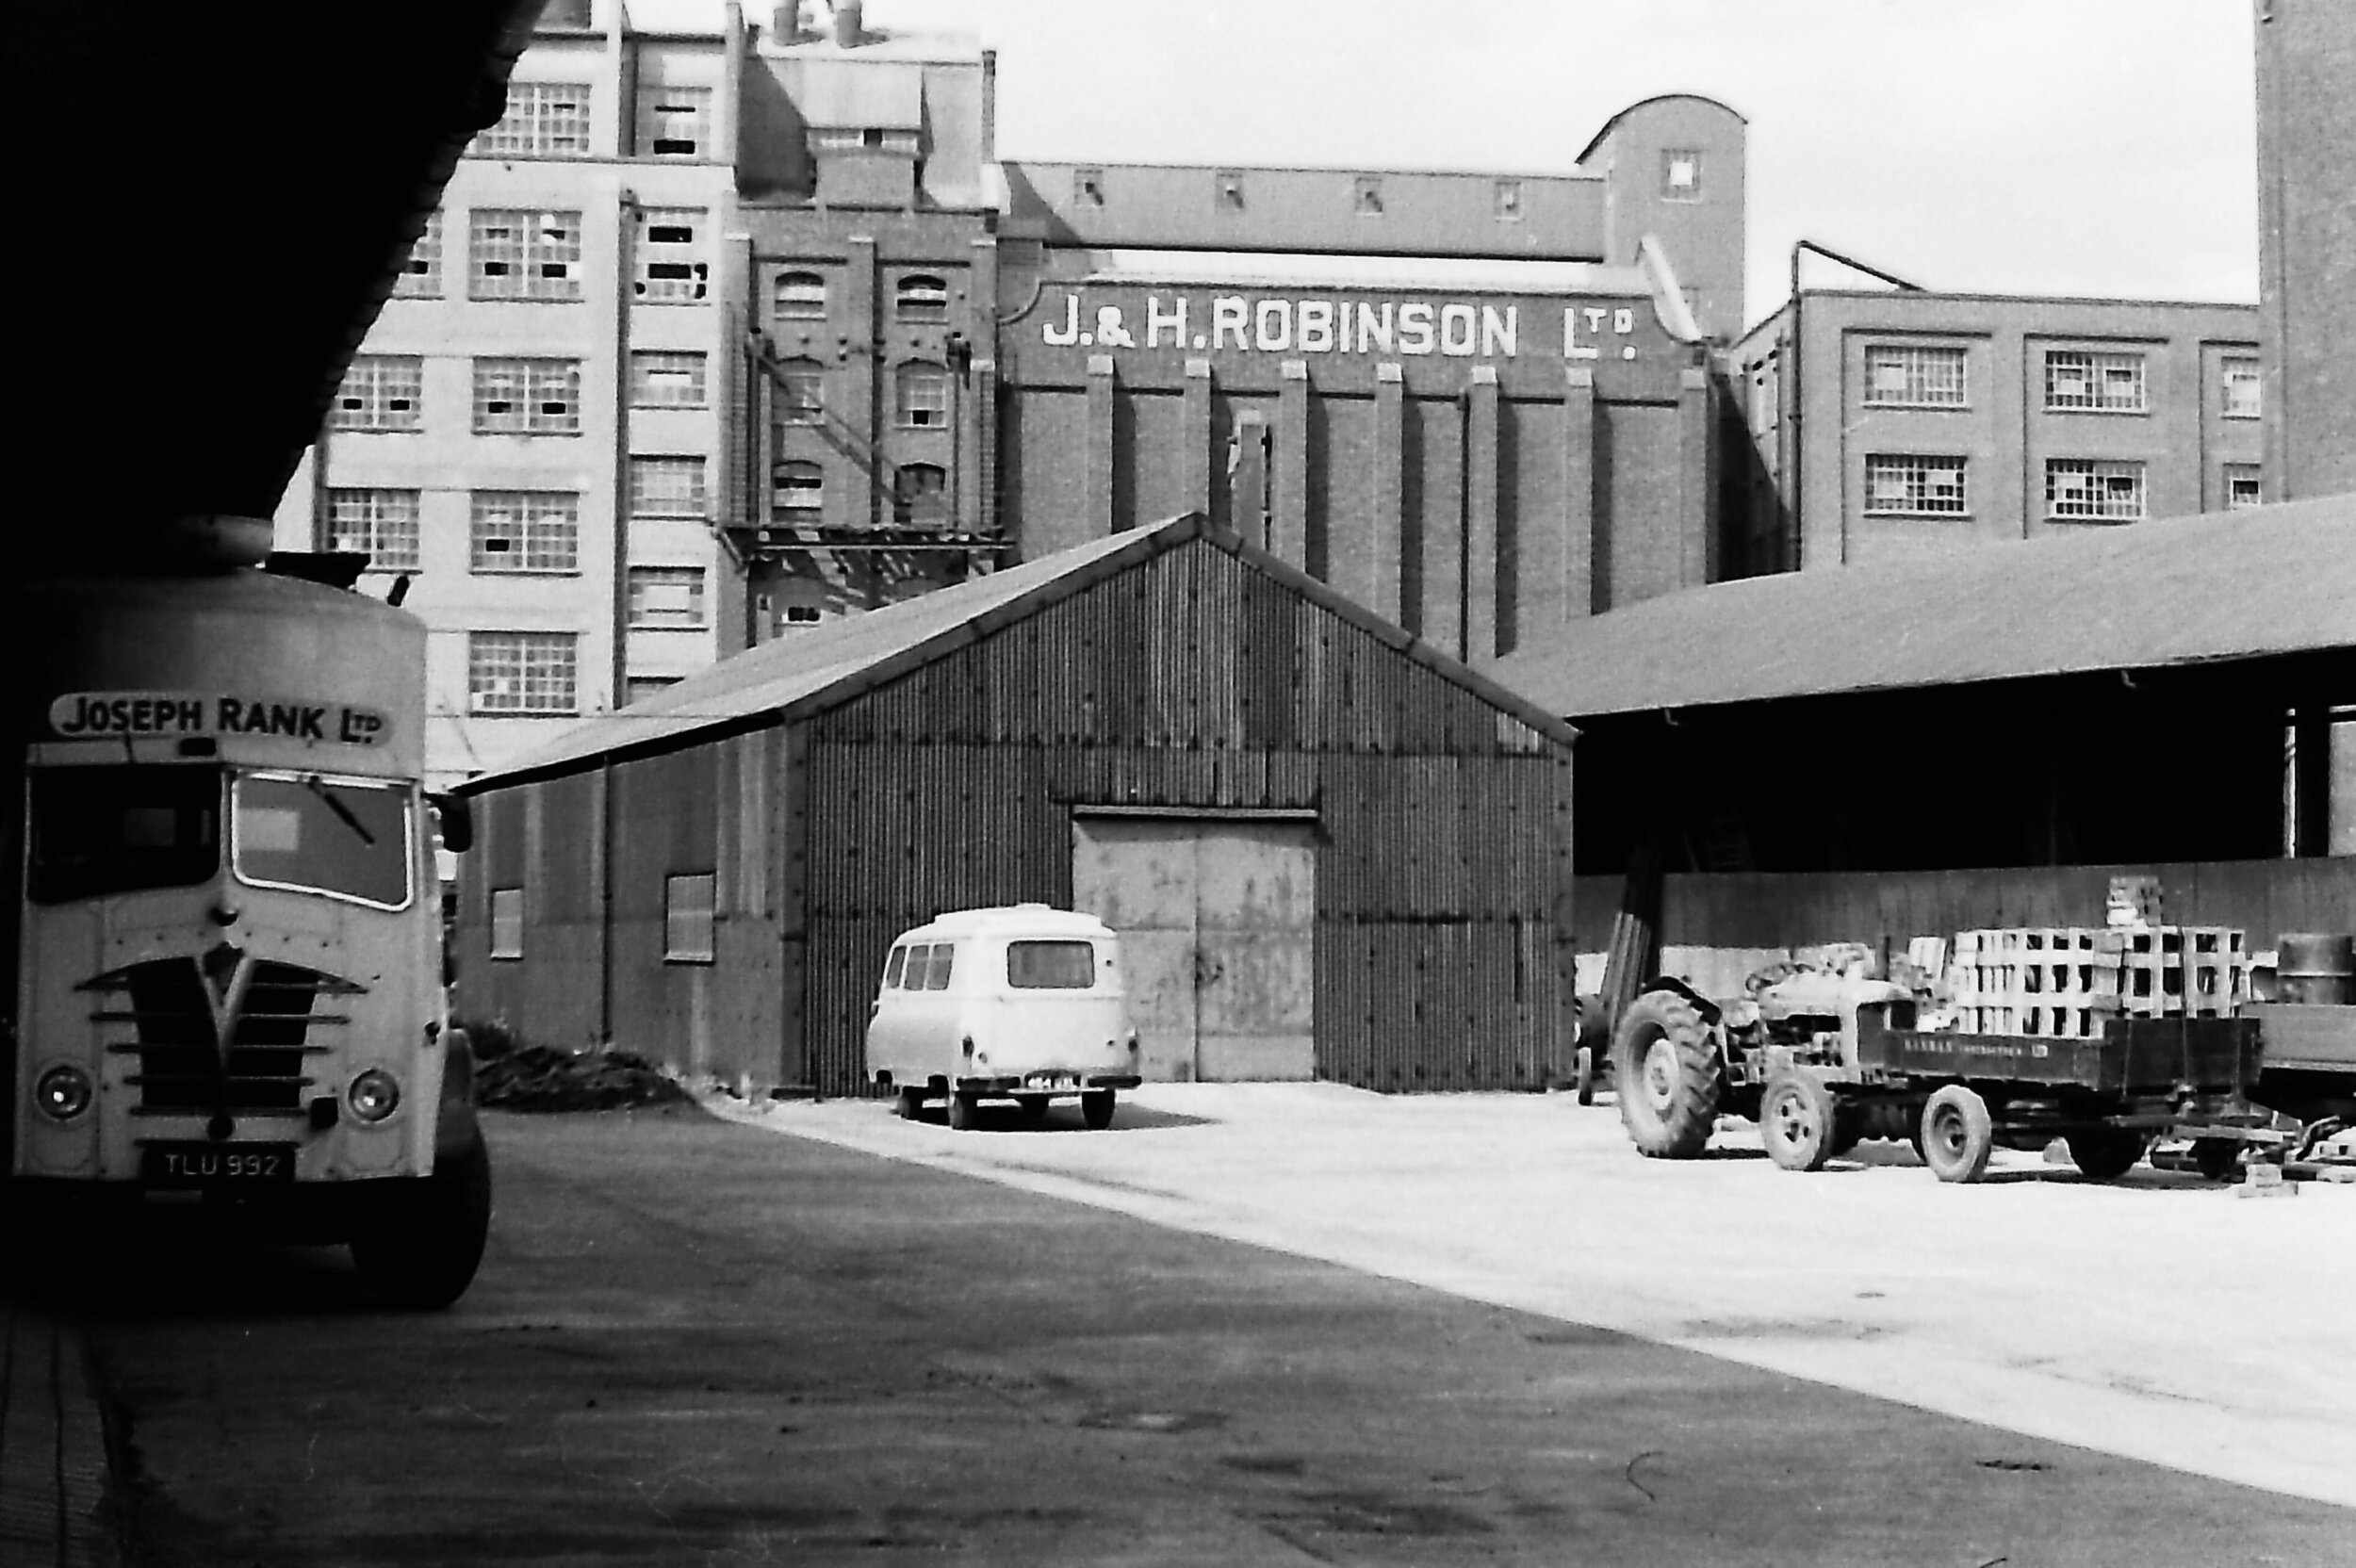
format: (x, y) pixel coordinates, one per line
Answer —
(347, 837)
(101, 830)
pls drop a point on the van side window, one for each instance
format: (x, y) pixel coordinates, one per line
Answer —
(936, 977)
(1064, 966)
(894, 966)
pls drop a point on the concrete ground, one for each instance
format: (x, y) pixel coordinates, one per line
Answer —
(2160, 1318)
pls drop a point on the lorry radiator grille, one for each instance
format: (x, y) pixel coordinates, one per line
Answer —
(224, 1031)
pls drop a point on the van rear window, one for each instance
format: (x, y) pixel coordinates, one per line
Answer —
(893, 965)
(1051, 966)
(944, 956)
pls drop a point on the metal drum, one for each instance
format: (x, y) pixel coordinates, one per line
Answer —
(2316, 968)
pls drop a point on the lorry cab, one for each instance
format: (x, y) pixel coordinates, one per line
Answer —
(1024, 1003)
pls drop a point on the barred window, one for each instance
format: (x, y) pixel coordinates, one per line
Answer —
(379, 524)
(2101, 383)
(671, 266)
(420, 276)
(2241, 486)
(923, 394)
(801, 392)
(1680, 175)
(522, 672)
(920, 496)
(2244, 388)
(544, 120)
(922, 298)
(800, 488)
(1913, 375)
(667, 596)
(526, 396)
(525, 530)
(688, 917)
(674, 122)
(2091, 490)
(664, 378)
(1899, 484)
(667, 486)
(800, 296)
(380, 392)
(517, 254)
(507, 923)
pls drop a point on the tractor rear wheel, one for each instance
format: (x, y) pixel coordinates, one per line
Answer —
(1797, 1121)
(1958, 1134)
(1665, 1069)
(2104, 1154)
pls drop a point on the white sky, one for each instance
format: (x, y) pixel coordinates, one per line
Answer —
(2098, 147)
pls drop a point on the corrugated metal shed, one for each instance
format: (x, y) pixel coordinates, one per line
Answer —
(2272, 580)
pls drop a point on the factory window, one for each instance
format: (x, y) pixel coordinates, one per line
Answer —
(799, 491)
(1230, 186)
(1366, 197)
(688, 917)
(2243, 388)
(525, 530)
(640, 688)
(1907, 485)
(923, 394)
(673, 121)
(671, 266)
(420, 276)
(379, 524)
(800, 617)
(1088, 186)
(800, 297)
(801, 392)
(2079, 381)
(922, 298)
(2241, 486)
(865, 139)
(507, 923)
(1507, 199)
(2089, 490)
(544, 120)
(667, 596)
(380, 392)
(521, 672)
(667, 486)
(1680, 175)
(526, 396)
(524, 256)
(666, 377)
(1908, 375)
(920, 496)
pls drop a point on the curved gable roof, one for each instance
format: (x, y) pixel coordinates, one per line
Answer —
(1597, 140)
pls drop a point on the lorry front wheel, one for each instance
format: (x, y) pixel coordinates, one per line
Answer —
(1797, 1122)
(1958, 1134)
(1666, 1073)
(2104, 1154)
(421, 1240)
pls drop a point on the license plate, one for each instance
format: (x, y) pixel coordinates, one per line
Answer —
(204, 1165)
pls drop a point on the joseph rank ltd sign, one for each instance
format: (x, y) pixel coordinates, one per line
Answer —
(1299, 326)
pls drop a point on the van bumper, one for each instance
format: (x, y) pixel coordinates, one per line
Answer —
(1047, 1083)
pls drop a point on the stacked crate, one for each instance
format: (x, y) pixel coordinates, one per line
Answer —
(2065, 981)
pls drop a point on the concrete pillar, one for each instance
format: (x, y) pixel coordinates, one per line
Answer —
(1100, 456)
(1386, 528)
(1288, 528)
(1195, 425)
(1482, 620)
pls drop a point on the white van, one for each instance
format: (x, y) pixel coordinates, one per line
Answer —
(1022, 1002)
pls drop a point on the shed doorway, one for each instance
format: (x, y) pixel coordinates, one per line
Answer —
(1217, 917)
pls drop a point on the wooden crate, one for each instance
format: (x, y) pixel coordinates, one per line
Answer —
(2066, 981)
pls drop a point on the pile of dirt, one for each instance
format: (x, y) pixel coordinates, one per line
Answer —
(512, 1075)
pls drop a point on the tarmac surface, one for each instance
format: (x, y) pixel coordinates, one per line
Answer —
(701, 1342)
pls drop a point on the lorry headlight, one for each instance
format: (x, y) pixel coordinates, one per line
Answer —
(62, 1093)
(374, 1095)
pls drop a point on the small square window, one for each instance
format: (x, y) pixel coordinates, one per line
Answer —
(1088, 186)
(1367, 199)
(2242, 487)
(800, 297)
(507, 923)
(2244, 388)
(663, 378)
(379, 524)
(667, 486)
(1681, 174)
(674, 122)
(667, 596)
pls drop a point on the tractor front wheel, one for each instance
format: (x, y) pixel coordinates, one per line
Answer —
(1958, 1134)
(1665, 1069)
(1798, 1122)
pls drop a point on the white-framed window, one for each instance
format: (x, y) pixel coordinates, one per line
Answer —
(507, 923)
(920, 496)
(922, 298)
(379, 524)
(1366, 195)
(666, 377)
(381, 392)
(799, 297)
(1915, 375)
(667, 486)
(2242, 486)
(2242, 388)
(674, 122)
(522, 672)
(526, 396)
(2081, 380)
(1681, 173)
(1912, 484)
(2096, 490)
(670, 260)
(801, 392)
(689, 910)
(420, 276)
(922, 394)
(515, 253)
(1505, 200)
(799, 491)
(525, 530)
(544, 120)
(667, 596)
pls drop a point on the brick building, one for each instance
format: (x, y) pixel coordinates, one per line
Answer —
(2307, 243)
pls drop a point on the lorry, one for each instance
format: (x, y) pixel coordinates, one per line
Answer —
(225, 967)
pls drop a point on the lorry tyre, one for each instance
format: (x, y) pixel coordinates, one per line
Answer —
(2104, 1154)
(1958, 1135)
(1797, 1121)
(2217, 1158)
(1096, 1109)
(1666, 1073)
(963, 1106)
(1033, 1106)
(420, 1239)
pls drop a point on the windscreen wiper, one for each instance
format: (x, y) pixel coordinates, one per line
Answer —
(313, 783)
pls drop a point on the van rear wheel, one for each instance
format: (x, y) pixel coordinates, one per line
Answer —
(1096, 1109)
